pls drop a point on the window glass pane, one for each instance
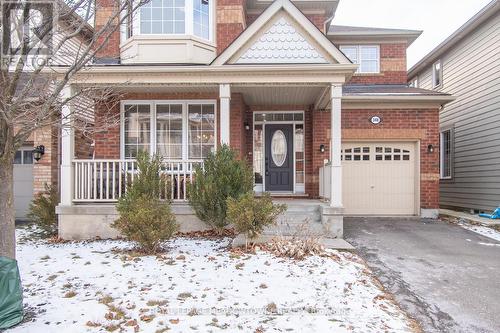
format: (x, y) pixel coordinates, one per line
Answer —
(27, 157)
(369, 66)
(201, 130)
(257, 153)
(351, 52)
(18, 157)
(137, 129)
(436, 75)
(201, 24)
(446, 154)
(163, 17)
(369, 52)
(169, 130)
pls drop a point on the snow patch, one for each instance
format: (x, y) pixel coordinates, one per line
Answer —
(198, 285)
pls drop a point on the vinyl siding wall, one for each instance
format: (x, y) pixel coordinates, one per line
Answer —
(471, 72)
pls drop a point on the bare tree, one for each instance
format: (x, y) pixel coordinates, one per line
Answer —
(43, 48)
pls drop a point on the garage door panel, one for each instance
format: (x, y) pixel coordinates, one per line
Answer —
(23, 182)
(379, 178)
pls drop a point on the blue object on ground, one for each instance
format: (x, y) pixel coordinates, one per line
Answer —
(495, 215)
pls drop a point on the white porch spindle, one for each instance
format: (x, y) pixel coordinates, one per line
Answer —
(225, 106)
(67, 149)
(336, 146)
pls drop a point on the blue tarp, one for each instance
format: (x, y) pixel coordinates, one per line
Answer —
(495, 215)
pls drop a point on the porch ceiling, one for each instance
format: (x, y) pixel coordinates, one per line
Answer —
(261, 94)
(279, 95)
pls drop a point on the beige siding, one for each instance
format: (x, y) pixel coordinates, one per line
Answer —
(471, 72)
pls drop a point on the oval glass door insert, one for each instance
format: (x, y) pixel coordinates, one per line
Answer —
(278, 148)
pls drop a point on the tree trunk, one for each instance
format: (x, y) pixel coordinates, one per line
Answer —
(7, 218)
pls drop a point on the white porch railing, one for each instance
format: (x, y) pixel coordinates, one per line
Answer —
(107, 180)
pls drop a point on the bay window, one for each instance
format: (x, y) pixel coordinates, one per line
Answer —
(163, 17)
(173, 17)
(177, 130)
(366, 56)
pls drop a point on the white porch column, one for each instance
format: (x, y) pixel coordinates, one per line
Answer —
(336, 146)
(67, 149)
(225, 106)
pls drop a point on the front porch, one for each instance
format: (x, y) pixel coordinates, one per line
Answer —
(185, 130)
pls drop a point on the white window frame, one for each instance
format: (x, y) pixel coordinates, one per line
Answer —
(434, 77)
(188, 21)
(358, 57)
(441, 154)
(152, 119)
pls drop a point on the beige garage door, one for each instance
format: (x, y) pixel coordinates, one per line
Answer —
(23, 181)
(379, 178)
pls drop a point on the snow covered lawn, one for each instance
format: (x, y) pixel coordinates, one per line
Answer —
(199, 285)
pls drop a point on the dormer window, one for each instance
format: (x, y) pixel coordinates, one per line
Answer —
(173, 17)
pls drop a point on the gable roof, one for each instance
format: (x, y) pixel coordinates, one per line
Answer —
(345, 32)
(291, 22)
(482, 16)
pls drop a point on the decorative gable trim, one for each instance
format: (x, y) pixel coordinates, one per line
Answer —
(282, 43)
(250, 46)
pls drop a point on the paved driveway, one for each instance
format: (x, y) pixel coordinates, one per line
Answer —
(446, 277)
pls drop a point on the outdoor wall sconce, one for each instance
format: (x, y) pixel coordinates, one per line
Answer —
(430, 149)
(247, 126)
(322, 148)
(38, 152)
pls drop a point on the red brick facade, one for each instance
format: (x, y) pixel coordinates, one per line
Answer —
(398, 124)
(418, 125)
(110, 40)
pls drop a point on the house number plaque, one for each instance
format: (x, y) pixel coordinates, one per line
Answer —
(375, 120)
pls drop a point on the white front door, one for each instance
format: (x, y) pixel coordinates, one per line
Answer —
(379, 178)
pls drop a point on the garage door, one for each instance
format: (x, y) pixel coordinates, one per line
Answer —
(379, 178)
(23, 181)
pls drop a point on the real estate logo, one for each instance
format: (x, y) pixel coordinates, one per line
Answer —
(27, 27)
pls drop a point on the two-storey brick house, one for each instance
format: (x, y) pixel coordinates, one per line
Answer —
(317, 110)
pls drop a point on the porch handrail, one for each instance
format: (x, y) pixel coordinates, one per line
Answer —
(106, 180)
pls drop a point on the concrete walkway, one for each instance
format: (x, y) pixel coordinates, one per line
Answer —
(446, 277)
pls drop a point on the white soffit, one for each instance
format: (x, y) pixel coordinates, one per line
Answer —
(282, 43)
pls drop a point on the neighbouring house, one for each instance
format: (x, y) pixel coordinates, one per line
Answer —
(31, 176)
(467, 65)
(322, 113)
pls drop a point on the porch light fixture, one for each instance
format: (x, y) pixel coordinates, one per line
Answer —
(247, 126)
(38, 152)
(430, 149)
(322, 148)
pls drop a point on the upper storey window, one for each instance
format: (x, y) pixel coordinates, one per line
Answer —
(174, 17)
(366, 56)
(437, 74)
(163, 17)
(201, 19)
